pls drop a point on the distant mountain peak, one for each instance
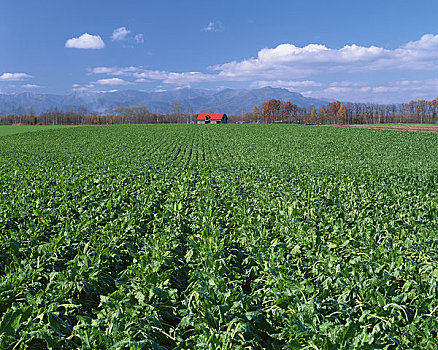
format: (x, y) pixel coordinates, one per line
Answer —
(230, 101)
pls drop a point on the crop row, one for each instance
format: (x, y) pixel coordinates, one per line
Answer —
(181, 236)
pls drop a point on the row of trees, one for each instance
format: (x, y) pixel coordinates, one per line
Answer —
(276, 111)
(272, 111)
(121, 115)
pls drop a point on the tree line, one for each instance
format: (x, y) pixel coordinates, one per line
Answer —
(276, 111)
(121, 115)
(272, 111)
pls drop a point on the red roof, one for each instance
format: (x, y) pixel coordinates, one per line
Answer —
(217, 116)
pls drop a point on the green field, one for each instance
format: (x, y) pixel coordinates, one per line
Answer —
(218, 237)
(18, 129)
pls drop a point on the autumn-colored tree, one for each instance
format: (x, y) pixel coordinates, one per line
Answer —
(313, 116)
(369, 111)
(411, 109)
(321, 115)
(421, 110)
(332, 111)
(341, 114)
(271, 110)
(256, 113)
(349, 108)
(287, 111)
(417, 111)
(434, 109)
(294, 111)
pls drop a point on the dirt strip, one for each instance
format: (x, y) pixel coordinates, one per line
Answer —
(402, 127)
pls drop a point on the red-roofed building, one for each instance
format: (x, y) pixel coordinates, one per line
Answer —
(218, 118)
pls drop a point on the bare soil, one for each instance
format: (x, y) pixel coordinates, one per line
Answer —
(401, 127)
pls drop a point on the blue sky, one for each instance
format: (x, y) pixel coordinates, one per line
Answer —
(368, 50)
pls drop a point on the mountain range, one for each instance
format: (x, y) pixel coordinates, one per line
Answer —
(230, 101)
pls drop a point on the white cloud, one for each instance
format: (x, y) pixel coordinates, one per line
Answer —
(284, 84)
(151, 74)
(112, 81)
(106, 91)
(14, 76)
(80, 89)
(30, 86)
(358, 91)
(85, 41)
(286, 63)
(114, 70)
(292, 62)
(288, 66)
(120, 34)
(139, 38)
(164, 76)
(215, 26)
(188, 77)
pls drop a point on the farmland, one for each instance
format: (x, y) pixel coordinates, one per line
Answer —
(199, 237)
(18, 129)
(399, 127)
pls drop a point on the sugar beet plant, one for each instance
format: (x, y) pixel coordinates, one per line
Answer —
(218, 237)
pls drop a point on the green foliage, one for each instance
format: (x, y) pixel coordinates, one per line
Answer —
(188, 237)
(18, 129)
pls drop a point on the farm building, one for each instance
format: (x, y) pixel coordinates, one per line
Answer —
(218, 118)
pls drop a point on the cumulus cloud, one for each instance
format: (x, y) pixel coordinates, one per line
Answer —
(115, 70)
(112, 81)
(287, 65)
(164, 76)
(215, 26)
(78, 88)
(120, 34)
(288, 60)
(14, 76)
(85, 41)
(189, 77)
(151, 74)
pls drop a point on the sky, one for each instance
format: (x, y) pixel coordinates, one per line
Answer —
(382, 51)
